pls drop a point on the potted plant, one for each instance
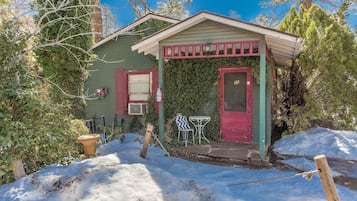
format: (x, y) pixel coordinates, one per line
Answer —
(87, 140)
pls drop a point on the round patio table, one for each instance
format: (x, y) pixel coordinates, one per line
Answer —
(199, 122)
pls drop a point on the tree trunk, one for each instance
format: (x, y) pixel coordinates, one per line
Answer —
(306, 3)
(292, 92)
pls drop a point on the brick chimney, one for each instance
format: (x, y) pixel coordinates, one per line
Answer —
(97, 26)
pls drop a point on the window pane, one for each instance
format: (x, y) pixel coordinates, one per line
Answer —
(139, 87)
(238, 48)
(235, 90)
(176, 51)
(221, 49)
(198, 50)
(183, 51)
(246, 48)
(189, 50)
(169, 52)
(209, 49)
(229, 48)
(255, 47)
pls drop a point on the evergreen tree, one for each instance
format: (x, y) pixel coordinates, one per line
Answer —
(340, 8)
(328, 69)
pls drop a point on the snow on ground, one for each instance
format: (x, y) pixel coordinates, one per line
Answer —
(119, 173)
(331, 143)
(340, 147)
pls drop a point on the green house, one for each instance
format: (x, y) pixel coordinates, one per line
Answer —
(244, 109)
(115, 66)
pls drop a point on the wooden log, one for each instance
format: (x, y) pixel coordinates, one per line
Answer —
(18, 169)
(149, 129)
(326, 178)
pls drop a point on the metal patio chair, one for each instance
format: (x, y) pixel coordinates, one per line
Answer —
(97, 126)
(184, 127)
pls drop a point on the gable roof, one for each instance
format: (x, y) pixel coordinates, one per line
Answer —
(134, 24)
(284, 47)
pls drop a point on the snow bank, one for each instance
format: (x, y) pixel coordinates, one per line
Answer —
(318, 141)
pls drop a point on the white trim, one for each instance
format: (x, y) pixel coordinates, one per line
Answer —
(129, 27)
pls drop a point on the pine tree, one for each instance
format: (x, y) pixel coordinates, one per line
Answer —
(277, 10)
(328, 65)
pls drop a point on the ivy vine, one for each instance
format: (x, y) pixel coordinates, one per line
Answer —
(191, 88)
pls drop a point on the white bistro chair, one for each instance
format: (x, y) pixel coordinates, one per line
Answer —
(184, 127)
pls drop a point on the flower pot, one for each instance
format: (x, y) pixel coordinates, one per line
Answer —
(89, 143)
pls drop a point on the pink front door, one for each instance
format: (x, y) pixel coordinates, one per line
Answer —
(235, 91)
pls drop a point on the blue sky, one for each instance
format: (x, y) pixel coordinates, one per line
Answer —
(248, 10)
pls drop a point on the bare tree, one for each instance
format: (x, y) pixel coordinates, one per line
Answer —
(21, 13)
(109, 21)
(172, 8)
(140, 7)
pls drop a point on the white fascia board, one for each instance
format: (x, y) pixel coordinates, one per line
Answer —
(134, 24)
(253, 28)
(154, 51)
(298, 47)
(148, 47)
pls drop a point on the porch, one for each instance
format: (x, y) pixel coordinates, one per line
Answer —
(243, 110)
(223, 153)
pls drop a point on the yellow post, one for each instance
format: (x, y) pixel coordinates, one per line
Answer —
(18, 169)
(326, 178)
(149, 129)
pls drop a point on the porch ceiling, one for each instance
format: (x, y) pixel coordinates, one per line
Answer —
(284, 47)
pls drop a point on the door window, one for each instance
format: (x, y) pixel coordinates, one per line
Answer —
(235, 92)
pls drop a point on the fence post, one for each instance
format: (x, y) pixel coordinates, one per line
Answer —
(18, 169)
(149, 129)
(326, 178)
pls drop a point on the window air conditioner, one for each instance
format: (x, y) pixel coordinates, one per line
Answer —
(137, 108)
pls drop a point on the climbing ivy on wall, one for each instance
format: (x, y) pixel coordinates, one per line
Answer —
(191, 87)
(66, 39)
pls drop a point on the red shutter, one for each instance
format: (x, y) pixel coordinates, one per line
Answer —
(155, 85)
(121, 91)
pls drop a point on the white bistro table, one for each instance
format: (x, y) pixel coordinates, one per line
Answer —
(200, 122)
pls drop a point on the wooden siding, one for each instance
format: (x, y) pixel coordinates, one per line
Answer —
(210, 31)
(102, 73)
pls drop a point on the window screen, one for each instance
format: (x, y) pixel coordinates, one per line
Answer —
(139, 87)
(235, 92)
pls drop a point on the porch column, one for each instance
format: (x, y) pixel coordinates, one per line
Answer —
(268, 105)
(262, 103)
(161, 105)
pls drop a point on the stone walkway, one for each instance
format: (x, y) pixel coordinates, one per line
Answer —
(223, 153)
